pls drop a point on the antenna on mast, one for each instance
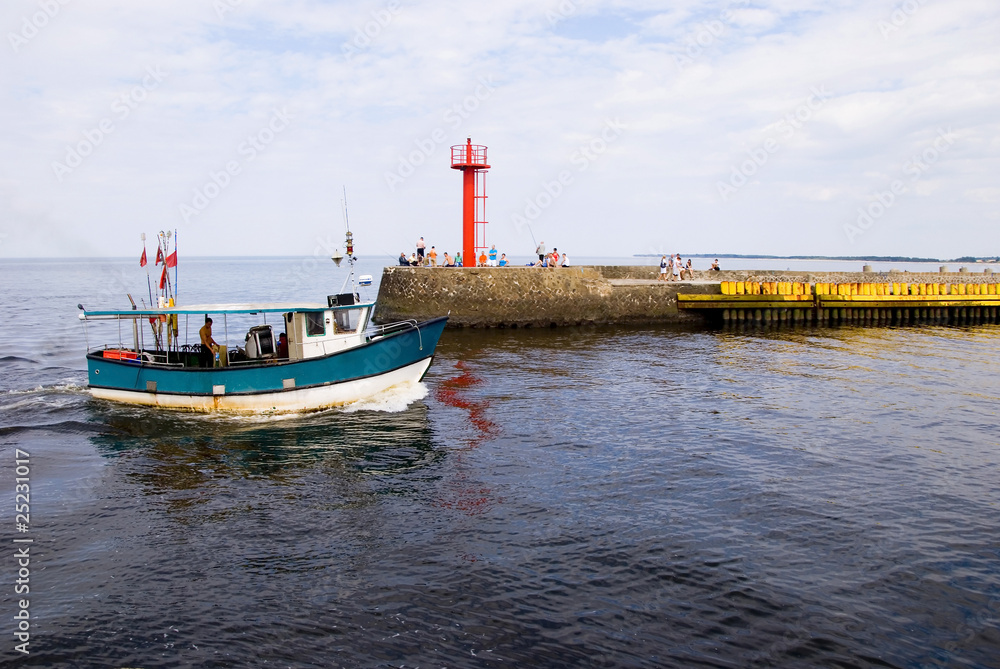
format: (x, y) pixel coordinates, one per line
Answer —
(349, 242)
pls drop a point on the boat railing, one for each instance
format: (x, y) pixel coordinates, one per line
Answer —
(271, 360)
(398, 326)
(389, 328)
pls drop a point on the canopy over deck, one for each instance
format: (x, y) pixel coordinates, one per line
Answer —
(198, 309)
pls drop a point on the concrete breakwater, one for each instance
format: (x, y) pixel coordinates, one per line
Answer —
(541, 297)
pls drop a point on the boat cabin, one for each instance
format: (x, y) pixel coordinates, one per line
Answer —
(312, 331)
(315, 333)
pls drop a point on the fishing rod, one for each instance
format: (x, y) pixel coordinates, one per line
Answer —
(145, 263)
(175, 266)
(153, 322)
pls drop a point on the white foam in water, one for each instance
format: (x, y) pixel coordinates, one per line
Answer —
(41, 396)
(391, 400)
(67, 386)
(18, 405)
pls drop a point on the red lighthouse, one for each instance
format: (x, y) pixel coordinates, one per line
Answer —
(471, 159)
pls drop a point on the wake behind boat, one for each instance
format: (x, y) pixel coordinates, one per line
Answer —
(333, 355)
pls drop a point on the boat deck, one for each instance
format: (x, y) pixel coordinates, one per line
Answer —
(189, 357)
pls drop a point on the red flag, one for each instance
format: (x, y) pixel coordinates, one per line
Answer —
(171, 260)
(163, 277)
(159, 256)
(142, 260)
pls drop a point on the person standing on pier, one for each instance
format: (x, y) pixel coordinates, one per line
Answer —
(663, 269)
(420, 251)
(541, 252)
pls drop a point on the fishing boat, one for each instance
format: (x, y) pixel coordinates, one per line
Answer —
(334, 354)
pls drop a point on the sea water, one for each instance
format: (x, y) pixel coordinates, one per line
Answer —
(598, 496)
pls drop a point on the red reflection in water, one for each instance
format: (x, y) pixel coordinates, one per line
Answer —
(450, 392)
(470, 499)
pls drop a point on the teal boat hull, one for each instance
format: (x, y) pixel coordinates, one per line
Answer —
(277, 386)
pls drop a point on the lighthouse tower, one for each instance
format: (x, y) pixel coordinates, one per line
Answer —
(471, 159)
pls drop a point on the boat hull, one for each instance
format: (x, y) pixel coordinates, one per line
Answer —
(287, 386)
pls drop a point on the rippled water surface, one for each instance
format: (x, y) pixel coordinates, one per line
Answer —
(605, 497)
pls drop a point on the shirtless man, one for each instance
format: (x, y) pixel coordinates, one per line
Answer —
(208, 345)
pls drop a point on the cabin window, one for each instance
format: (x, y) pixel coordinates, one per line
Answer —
(347, 319)
(315, 324)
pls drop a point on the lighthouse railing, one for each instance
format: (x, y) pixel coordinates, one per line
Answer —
(460, 155)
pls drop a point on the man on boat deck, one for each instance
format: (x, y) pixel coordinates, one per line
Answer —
(208, 345)
(283, 345)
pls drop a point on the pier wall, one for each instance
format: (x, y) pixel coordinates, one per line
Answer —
(542, 297)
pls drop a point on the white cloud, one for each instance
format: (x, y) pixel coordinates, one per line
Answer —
(415, 70)
(987, 195)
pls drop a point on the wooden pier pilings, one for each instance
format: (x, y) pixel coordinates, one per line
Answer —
(865, 303)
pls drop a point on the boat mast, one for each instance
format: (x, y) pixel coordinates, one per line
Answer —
(349, 241)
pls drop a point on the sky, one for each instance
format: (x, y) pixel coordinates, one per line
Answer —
(613, 127)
